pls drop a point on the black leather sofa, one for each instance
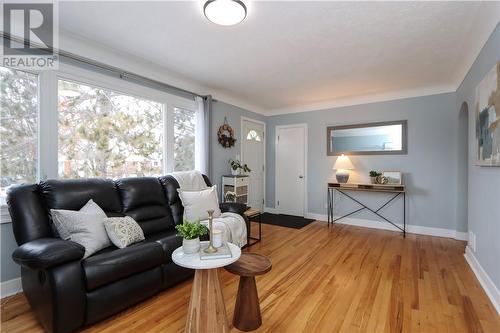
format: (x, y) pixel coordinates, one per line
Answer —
(66, 292)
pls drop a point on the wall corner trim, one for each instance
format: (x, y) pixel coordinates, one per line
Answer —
(489, 287)
(10, 287)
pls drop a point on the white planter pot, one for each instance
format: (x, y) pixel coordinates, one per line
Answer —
(190, 246)
(235, 172)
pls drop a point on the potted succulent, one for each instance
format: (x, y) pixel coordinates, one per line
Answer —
(230, 196)
(373, 176)
(190, 233)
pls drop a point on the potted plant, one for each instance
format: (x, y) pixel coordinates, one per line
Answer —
(230, 196)
(246, 169)
(373, 176)
(235, 167)
(190, 233)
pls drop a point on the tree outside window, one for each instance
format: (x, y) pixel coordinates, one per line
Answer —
(18, 128)
(103, 133)
(184, 139)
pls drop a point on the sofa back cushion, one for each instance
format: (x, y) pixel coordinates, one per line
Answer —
(144, 200)
(73, 194)
(170, 186)
(154, 203)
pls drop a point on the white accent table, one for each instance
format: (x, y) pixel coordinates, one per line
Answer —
(237, 184)
(207, 312)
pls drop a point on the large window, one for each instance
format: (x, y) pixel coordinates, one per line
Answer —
(184, 139)
(18, 128)
(103, 133)
(75, 123)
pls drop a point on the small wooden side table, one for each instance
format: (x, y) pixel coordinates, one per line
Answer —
(207, 312)
(247, 315)
(253, 214)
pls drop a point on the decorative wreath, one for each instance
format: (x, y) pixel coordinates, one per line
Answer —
(225, 135)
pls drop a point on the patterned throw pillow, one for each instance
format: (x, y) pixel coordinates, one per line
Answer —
(123, 231)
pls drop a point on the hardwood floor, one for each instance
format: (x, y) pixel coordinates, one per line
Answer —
(336, 279)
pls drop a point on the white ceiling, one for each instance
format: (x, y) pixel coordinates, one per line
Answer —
(298, 56)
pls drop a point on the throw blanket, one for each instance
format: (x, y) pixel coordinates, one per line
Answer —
(190, 180)
(233, 228)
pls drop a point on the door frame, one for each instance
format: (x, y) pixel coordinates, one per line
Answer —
(242, 150)
(306, 176)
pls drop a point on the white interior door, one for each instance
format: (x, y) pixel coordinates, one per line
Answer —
(290, 169)
(252, 153)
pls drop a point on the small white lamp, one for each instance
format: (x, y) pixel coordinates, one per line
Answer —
(342, 165)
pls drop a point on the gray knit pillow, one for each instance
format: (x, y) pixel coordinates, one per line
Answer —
(123, 231)
(86, 229)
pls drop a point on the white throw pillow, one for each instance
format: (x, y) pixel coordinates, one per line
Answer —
(123, 231)
(197, 203)
(84, 227)
(90, 208)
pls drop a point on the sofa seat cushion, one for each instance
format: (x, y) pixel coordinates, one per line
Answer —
(112, 264)
(168, 240)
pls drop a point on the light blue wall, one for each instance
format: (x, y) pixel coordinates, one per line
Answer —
(9, 269)
(429, 167)
(484, 182)
(222, 155)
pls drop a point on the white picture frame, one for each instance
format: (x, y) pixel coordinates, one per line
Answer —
(393, 177)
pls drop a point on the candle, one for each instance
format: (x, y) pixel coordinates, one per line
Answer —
(217, 238)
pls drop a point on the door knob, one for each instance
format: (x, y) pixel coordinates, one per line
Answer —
(301, 176)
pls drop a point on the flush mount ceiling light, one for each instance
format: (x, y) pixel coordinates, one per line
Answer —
(225, 12)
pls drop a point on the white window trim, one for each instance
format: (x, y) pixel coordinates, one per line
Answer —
(47, 163)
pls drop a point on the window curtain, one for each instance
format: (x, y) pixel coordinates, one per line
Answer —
(202, 139)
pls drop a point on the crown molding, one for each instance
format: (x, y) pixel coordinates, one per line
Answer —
(365, 99)
(238, 102)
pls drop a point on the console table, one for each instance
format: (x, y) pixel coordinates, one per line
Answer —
(396, 190)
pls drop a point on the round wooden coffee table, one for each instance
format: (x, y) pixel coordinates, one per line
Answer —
(247, 309)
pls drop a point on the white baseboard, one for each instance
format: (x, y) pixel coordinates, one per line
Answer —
(10, 287)
(484, 279)
(271, 210)
(318, 217)
(412, 229)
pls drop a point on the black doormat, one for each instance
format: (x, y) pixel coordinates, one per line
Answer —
(289, 221)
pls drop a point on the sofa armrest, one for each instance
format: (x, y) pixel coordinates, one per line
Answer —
(233, 207)
(47, 252)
